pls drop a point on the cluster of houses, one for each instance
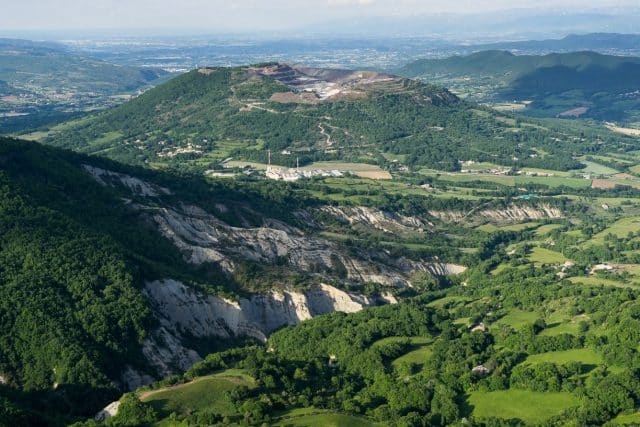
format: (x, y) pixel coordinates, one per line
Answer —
(291, 175)
(494, 171)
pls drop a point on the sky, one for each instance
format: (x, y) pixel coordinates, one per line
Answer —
(249, 15)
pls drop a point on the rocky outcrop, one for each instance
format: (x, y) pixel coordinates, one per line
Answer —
(445, 269)
(183, 311)
(131, 379)
(382, 220)
(510, 214)
(204, 238)
(136, 185)
(109, 411)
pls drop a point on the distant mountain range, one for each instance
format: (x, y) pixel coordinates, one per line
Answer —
(523, 23)
(602, 86)
(602, 42)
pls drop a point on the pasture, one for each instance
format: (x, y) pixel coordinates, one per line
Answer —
(202, 393)
(586, 356)
(546, 256)
(528, 406)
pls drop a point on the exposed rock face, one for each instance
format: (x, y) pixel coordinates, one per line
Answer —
(324, 83)
(445, 269)
(131, 379)
(204, 238)
(183, 310)
(185, 313)
(386, 221)
(508, 215)
(109, 411)
(136, 185)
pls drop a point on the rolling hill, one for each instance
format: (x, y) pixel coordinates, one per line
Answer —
(603, 86)
(425, 299)
(43, 83)
(36, 66)
(612, 43)
(209, 115)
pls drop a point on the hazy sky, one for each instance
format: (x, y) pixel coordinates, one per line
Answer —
(246, 15)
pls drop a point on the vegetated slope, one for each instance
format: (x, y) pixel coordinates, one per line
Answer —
(43, 84)
(206, 116)
(512, 66)
(71, 310)
(112, 276)
(604, 85)
(31, 66)
(615, 43)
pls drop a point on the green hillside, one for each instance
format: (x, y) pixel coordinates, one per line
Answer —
(43, 84)
(73, 261)
(206, 116)
(33, 66)
(604, 85)
(75, 255)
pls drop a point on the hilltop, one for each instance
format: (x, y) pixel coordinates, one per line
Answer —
(589, 84)
(209, 115)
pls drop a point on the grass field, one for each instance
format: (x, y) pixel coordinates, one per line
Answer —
(598, 281)
(362, 170)
(562, 328)
(597, 168)
(546, 256)
(310, 417)
(518, 318)
(419, 353)
(626, 419)
(203, 393)
(619, 228)
(582, 355)
(490, 228)
(512, 181)
(546, 229)
(448, 301)
(531, 407)
(561, 322)
(418, 356)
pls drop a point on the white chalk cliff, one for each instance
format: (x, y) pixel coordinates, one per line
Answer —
(183, 310)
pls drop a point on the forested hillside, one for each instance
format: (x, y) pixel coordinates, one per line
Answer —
(36, 66)
(604, 86)
(82, 249)
(207, 116)
(44, 84)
